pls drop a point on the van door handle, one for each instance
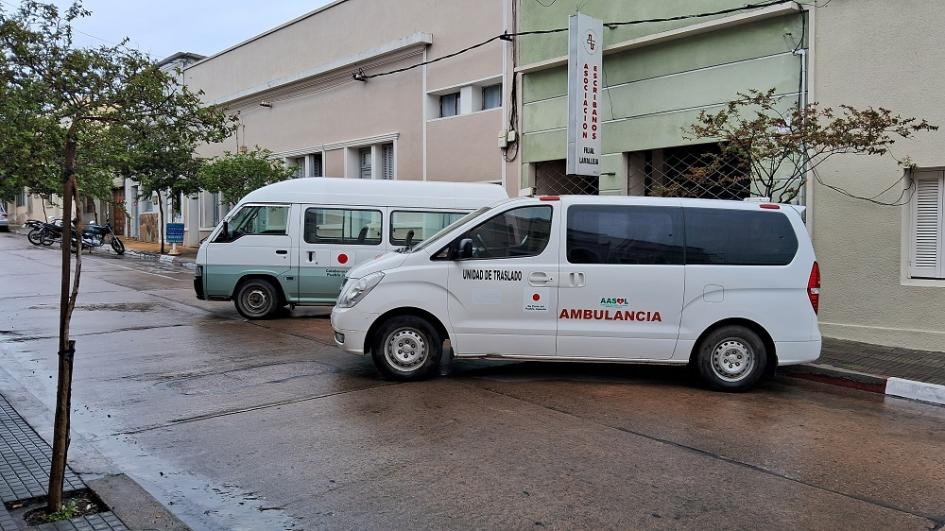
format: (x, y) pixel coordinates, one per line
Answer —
(539, 278)
(311, 255)
(577, 280)
(282, 251)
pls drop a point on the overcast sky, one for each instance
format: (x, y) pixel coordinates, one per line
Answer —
(163, 27)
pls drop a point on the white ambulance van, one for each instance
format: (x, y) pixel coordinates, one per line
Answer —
(292, 242)
(729, 288)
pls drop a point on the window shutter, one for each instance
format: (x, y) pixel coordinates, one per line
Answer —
(926, 257)
(388, 162)
(365, 159)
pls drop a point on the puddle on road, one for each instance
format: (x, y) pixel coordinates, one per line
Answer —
(117, 307)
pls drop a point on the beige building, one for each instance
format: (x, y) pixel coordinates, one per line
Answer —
(883, 266)
(305, 91)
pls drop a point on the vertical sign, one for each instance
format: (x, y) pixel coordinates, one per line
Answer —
(585, 77)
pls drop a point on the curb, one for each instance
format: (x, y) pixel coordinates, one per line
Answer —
(189, 263)
(885, 385)
(163, 258)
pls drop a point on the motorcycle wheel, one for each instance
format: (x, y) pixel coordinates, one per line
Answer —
(47, 238)
(35, 236)
(117, 246)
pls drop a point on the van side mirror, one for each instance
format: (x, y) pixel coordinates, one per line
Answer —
(464, 249)
(225, 233)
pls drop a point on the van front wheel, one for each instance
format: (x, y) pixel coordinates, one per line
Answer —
(732, 358)
(407, 348)
(257, 299)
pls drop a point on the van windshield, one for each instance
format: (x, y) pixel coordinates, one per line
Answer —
(439, 235)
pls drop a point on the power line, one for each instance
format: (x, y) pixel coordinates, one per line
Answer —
(361, 76)
(758, 5)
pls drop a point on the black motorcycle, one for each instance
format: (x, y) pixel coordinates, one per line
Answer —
(43, 233)
(96, 235)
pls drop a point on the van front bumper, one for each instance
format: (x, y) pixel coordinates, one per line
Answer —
(198, 288)
(349, 328)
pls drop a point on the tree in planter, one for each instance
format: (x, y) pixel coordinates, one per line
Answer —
(777, 147)
(87, 92)
(234, 175)
(162, 160)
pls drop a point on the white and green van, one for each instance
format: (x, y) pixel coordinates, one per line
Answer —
(292, 242)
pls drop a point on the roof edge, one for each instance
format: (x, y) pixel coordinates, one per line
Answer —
(269, 31)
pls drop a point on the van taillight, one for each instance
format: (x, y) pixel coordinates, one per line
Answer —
(813, 287)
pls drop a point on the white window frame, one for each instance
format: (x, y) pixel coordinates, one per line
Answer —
(202, 210)
(923, 276)
(458, 104)
(483, 89)
(376, 157)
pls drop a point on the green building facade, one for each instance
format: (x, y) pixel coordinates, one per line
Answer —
(657, 78)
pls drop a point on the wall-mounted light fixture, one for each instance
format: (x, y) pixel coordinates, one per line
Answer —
(266, 104)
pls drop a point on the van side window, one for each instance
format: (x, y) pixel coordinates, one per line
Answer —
(342, 226)
(738, 237)
(257, 220)
(514, 233)
(624, 234)
(417, 226)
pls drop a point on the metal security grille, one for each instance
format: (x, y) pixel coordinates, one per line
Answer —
(551, 179)
(689, 171)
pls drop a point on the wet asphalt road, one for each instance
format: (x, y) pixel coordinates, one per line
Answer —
(240, 425)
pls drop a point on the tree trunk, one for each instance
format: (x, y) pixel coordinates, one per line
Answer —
(161, 220)
(57, 468)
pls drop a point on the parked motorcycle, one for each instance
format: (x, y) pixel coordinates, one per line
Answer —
(42, 233)
(95, 236)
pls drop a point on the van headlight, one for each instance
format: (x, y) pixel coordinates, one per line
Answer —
(355, 290)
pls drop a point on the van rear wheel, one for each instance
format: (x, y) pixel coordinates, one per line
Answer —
(407, 347)
(257, 299)
(732, 358)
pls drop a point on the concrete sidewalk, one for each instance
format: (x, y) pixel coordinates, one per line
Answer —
(915, 374)
(139, 246)
(24, 476)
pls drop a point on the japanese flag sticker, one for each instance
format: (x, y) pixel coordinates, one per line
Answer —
(536, 299)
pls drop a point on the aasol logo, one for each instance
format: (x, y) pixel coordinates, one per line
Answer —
(614, 302)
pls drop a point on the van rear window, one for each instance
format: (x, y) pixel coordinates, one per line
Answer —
(738, 237)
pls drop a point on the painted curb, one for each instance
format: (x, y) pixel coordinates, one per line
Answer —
(911, 389)
(890, 386)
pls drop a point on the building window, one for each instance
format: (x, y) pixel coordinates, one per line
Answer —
(387, 161)
(298, 167)
(209, 209)
(491, 97)
(21, 198)
(317, 168)
(927, 231)
(449, 105)
(364, 163)
(147, 204)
